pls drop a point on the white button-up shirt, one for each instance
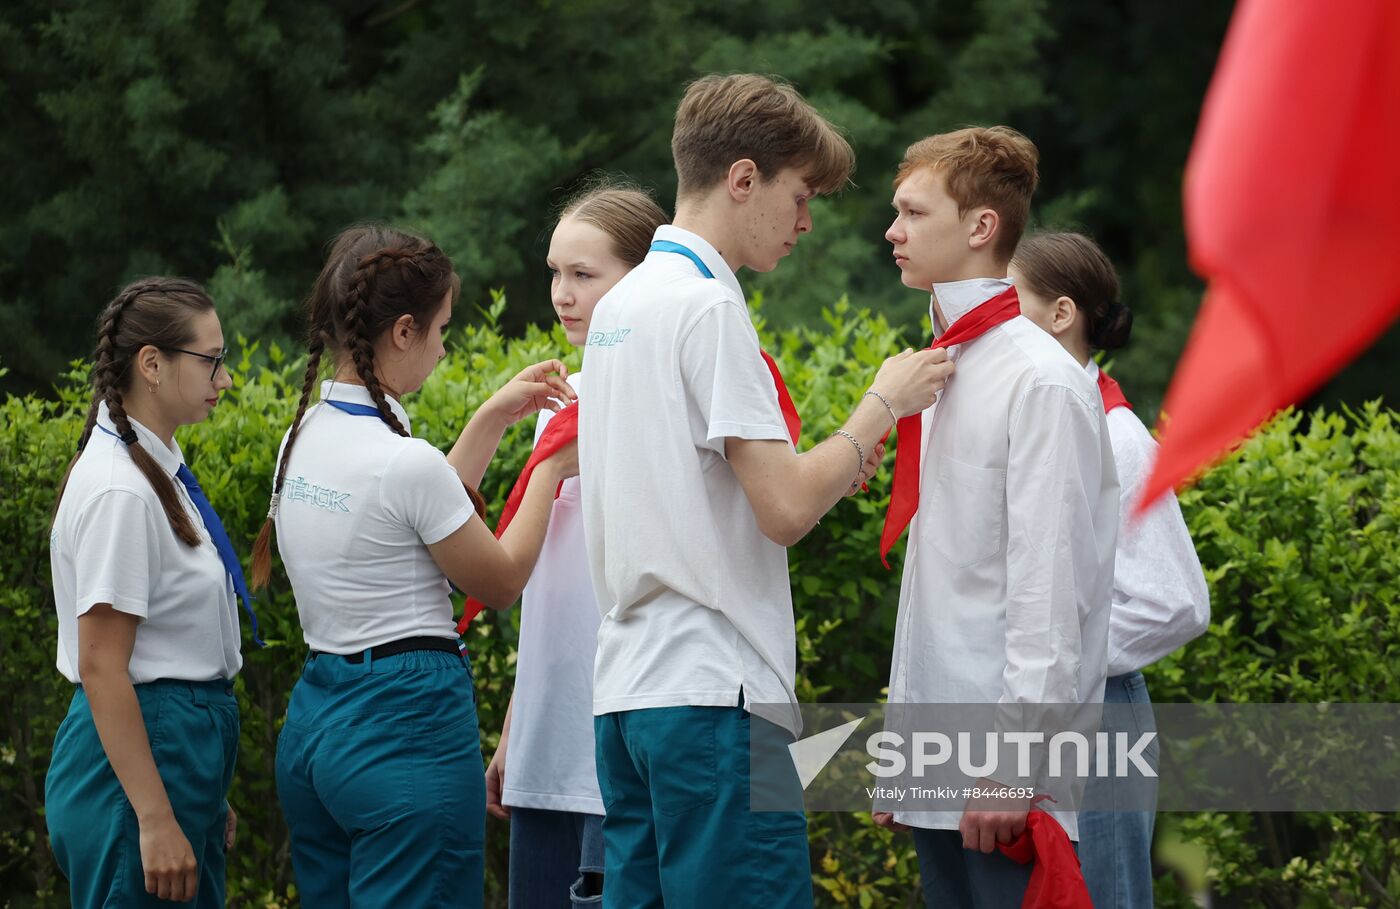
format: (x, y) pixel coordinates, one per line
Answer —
(1009, 565)
(1160, 599)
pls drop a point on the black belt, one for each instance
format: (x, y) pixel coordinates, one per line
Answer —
(445, 645)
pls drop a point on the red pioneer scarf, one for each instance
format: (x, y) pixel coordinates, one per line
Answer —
(1110, 392)
(563, 429)
(1056, 880)
(904, 491)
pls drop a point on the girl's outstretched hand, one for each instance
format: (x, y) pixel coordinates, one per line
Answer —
(540, 386)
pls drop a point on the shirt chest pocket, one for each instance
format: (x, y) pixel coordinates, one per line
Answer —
(966, 512)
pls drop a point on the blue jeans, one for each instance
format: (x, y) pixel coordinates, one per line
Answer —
(193, 731)
(550, 854)
(1115, 846)
(379, 774)
(679, 829)
(967, 878)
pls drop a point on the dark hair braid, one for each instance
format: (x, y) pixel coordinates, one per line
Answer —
(168, 300)
(349, 307)
(358, 339)
(362, 346)
(262, 546)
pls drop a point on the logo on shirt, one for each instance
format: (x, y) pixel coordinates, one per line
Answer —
(298, 490)
(608, 338)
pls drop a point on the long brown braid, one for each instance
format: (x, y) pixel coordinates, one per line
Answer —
(148, 312)
(372, 276)
(315, 346)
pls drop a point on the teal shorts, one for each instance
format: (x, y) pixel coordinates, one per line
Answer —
(679, 830)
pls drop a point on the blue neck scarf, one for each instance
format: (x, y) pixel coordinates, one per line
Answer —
(218, 536)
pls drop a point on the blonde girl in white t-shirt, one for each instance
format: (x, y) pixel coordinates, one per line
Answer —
(145, 583)
(379, 761)
(542, 777)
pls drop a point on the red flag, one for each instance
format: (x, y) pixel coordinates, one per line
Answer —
(1291, 197)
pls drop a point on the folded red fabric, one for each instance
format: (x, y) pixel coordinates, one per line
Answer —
(562, 430)
(1110, 392)
(1056, 880)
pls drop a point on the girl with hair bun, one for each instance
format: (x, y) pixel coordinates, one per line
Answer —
(542, 777)
(1068, 287)
(145, 582)
(374, 763)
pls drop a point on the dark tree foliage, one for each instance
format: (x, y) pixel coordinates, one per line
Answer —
(228, 141)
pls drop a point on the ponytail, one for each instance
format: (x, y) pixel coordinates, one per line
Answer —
(1061, 264)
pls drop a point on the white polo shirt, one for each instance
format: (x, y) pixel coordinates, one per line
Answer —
(360, 505)
(695, 599)
(550, 763)
(112, 543)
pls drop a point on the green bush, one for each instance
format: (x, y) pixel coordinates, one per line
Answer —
(1297, 531)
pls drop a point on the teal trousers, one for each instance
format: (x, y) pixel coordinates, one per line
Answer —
(679, 831)
(193, 730)
(380, 777)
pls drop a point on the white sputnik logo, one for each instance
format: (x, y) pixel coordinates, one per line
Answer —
(811, 754)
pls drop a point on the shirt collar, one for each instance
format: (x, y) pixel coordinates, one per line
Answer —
(170, 459)
(958, 298)
(702, 248)
(332, 390)
(1093, 369)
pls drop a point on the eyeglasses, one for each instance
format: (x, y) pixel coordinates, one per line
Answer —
(216, 360)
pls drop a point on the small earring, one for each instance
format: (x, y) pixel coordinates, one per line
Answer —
(153, 388)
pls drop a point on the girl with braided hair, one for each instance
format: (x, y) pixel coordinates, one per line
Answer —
(145, 583)
(1068, 287)
(379, 763)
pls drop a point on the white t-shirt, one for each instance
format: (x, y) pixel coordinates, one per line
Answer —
(112, 543)
(360, 505)
(549, 763)
(695, 599)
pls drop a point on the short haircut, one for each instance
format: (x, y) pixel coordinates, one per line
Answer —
(991, 166)
(723, 119)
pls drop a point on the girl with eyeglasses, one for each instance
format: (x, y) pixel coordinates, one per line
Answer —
(147, 586)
